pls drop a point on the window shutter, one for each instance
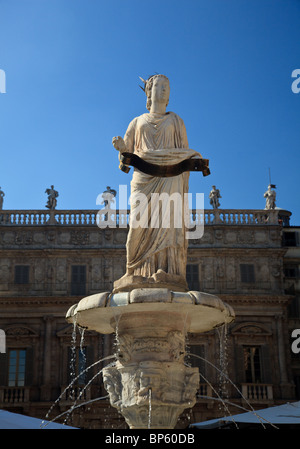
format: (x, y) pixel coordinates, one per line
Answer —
(71, 370)
(266, 364)
(89, 360)
(3, 369)
(192, 276)
(239, 364)
(78, 280)
(198, 350)
(21, 274)
(247, 273)
(29, 367)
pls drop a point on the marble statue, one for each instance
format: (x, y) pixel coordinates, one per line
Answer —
(214, 197)
(2, 195)
(52, 195)
(270, 196)
(150, 309)
(108, 197)
(160, 138)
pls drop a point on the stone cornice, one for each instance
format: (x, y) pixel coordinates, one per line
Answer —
(255, 299)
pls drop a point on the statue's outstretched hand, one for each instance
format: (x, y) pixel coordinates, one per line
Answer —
(119, 144)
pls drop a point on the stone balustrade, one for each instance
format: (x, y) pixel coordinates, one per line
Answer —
(257, 392)
(14, 395)
(120, 218)
(75, 393)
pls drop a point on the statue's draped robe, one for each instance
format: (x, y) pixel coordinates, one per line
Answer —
(162, 140)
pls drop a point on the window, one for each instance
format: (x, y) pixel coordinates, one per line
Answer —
(252, 364)
(291, 271)
(247, 273)
(290, 239)
(297, 383)
(192, 276)
(78, 280)
(16, 367)
(294, 308)
(195, 356)
(22, 274)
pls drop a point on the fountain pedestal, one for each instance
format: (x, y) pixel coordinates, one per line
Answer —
(150, 384)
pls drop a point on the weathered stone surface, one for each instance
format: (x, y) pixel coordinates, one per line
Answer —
(150, 383)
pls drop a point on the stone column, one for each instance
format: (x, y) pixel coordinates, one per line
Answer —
(46, 385)
(285, 386)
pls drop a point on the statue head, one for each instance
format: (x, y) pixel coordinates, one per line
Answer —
(148, 85)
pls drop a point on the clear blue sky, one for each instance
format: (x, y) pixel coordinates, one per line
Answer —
(72, 70)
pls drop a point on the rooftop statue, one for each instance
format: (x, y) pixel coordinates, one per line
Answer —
(108, 197)
(270, 196)
(214, 197)
(52, 195)
(2, 195)
(156, 144)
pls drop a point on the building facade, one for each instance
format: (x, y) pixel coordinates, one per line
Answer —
(49, 260)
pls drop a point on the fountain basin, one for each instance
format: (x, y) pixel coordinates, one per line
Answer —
(151, 384)
(200, 311)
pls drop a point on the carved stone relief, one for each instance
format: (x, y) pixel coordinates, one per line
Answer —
(61, 274)
(261, 238)
(107, 269)
(80, 237)
(51, 236)
(208, 273)
(219, 233)
(230, 237)
(231, 273)
(119, 268)
(39, 237)
(39, 274)
(172, 387)
(23, 238)
(64, 237)
(246, 237)
(120, 237)
(96, 273)
(207, 236)
(8, 237)
(5, 265)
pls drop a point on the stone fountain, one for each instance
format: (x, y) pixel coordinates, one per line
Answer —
(150, 309)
